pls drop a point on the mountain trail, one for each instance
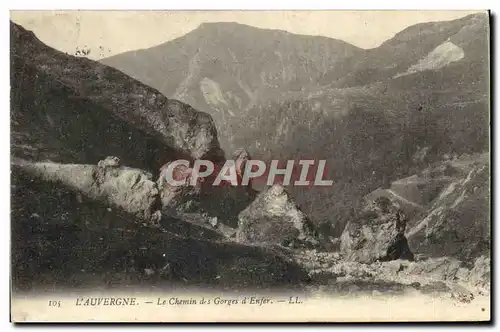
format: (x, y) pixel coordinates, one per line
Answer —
(404, 199)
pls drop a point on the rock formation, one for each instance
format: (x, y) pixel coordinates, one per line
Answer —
(178, 199)
(240, 156)
(273, 217)
(376, 234)
(126, 189)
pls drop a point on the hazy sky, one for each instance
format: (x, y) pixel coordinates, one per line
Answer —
(121, 31)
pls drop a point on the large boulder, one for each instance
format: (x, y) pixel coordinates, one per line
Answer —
(378, 233)
(273, 217)
(222, 202)
(130, 190)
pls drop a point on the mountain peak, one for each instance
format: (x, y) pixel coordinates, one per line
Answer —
(222, 23)
(226, 24)
(247, 31)
(236, 28)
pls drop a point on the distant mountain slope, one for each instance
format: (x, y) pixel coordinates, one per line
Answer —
(232, 53)
(425, 46)
(421, 94)
(226, 68)
(369, 134)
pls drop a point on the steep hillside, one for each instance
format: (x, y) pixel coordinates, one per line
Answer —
(458, 221)
(61, 241)
(73, 109)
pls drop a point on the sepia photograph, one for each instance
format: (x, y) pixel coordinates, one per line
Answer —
(250, 166)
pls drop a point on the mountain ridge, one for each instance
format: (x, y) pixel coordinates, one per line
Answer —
(229, 83)
(221, 70)
(347, 106)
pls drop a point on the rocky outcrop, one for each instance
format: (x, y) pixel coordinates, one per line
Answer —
(190, 130)
(180, 198)
(222, 203)
(274, 218)
(129, 190)
(177, 125)
(376, 234)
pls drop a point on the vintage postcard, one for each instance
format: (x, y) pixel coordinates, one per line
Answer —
(250, 166)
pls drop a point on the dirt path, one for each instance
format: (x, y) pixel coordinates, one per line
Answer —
(404, 199)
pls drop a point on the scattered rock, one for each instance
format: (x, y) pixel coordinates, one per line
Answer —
(149, 272)
(461, 294)
(443, 268)
(110, 161)
(213, 221)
